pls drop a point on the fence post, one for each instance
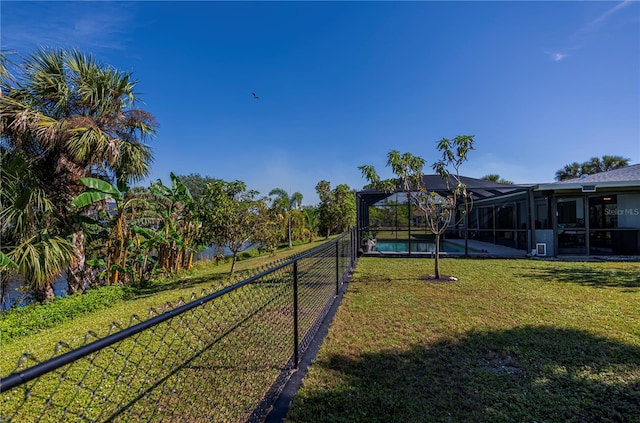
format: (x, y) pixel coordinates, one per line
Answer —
(350, 248)
(354, 244)
(296, 352)
(337, 267)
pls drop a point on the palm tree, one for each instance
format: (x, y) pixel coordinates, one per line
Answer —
(4, 72)
(591, 166)
(614, 162)
(311, 216)
(605, 164)
(570, 171)
(76, 118)
(285, 204)
(31, 244)
(493, 177)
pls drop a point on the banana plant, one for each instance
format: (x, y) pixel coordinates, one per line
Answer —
(120, 233)
(180, 224)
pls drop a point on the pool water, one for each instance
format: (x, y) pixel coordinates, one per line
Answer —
(417, 247)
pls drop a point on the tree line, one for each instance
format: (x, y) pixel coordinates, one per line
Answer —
(576, 170)
(73, 145)
(591, 166)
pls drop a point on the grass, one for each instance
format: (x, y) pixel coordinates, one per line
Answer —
(512, 340)
(37, 329)
(213, 362)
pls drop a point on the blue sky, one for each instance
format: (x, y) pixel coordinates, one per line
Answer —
(539, 84)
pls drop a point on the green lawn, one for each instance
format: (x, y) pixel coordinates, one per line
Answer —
(49, 324)
(214, 362)
(511, 341)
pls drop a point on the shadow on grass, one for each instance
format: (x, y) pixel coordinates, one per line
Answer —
(587, 276)
(155, 287)
(216, 278)
(187, 281)
(523, 374)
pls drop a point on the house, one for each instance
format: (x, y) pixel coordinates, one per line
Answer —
(593, 215)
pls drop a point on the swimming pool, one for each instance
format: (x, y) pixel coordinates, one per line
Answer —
(418, 247)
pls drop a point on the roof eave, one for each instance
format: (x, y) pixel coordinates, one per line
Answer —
(579, 185)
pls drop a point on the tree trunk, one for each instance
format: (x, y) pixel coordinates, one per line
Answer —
(4, 284)
(436, 271)
(233, 264)
(190, 262)
(45, 292)
(289, 230)
(76, 272)
(119, 238)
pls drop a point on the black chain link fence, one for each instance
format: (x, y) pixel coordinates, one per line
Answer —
(222, 357)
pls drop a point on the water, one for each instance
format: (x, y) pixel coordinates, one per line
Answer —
(417, 247)
(210, 252)
(15, 295)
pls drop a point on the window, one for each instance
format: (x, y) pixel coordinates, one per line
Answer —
(567, 213)
(603, 212)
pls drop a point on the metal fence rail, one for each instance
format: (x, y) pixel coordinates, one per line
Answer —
(222, 357)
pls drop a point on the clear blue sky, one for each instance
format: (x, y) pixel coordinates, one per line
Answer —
(539, 84)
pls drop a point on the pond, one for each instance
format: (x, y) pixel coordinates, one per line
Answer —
(16, 294)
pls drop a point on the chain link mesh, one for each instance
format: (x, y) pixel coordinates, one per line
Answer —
(221, 357)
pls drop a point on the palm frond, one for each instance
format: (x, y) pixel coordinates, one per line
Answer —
(135, 162)
(41, 258)
(6, 262)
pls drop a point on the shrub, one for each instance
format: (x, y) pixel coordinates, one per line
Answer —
(31, 318)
